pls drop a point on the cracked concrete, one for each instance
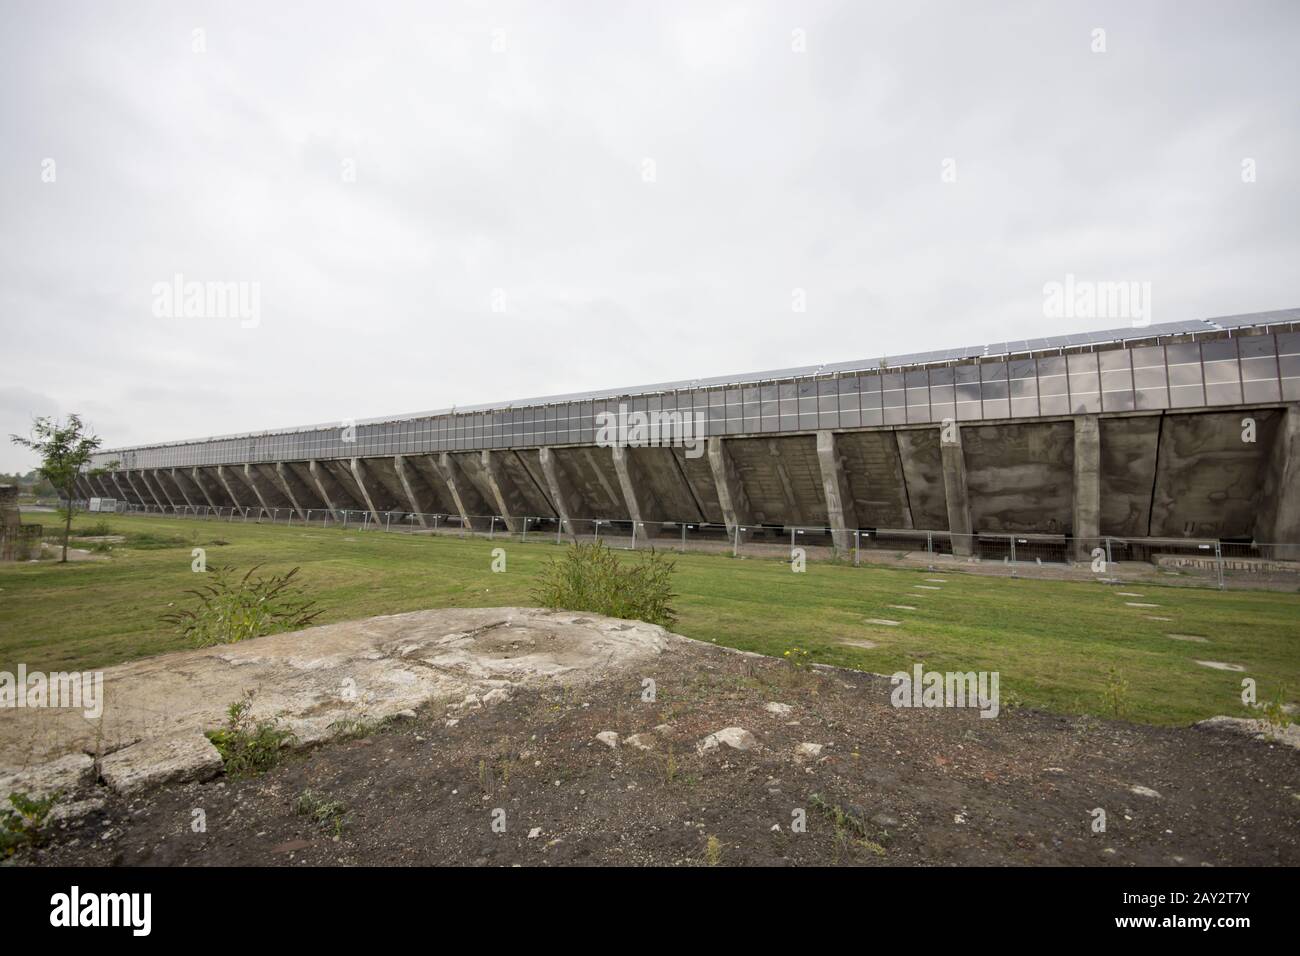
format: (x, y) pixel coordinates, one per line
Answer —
(156, 710)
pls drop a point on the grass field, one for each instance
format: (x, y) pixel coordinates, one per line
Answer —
(1070, 647)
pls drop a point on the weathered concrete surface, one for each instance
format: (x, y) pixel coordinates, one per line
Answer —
(839, 496)
(518, 478)
(229, 484)
(360, 472)
(294, 490)
(1020, 477)
(1161, 473)
(63, 774)
(1128, 466)
(156, 710)
(1208, 479)
(478, 484)
(469, 503)
(782, 479)
(698, 474)
(213, 493)
(426, 468)
(1086, 521)
(412, 487)
(956, 488)
(178, 758)
(922, 469)
(531, 480)
(732, 499)
(331, 492)
(592, 483)
(567, 504)
(1279, 498)
(662, 488)
(875, 472)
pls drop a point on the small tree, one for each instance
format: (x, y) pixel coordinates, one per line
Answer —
(65, 449)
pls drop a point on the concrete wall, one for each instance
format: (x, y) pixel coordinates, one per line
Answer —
(1163, 474)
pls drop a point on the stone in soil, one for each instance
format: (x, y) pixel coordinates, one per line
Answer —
(737, 738)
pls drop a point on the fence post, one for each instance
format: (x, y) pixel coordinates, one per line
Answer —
(559, 530)
(683, 537)
(735, 545)
(857, 547)
(1218, 561)
(1013, 555)
(633, 535)
(1109, 559)
(929, 550)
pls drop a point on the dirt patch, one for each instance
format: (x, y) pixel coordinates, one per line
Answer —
(875, 784)
(51, 551)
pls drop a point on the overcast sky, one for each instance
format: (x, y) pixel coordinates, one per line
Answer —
(448, 203)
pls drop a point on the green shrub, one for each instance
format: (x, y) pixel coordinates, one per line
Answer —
(231, 609)
(326, 814)
(1276, 714)
(591, 577)
(98, 529)
(249, 747)
(1115, 696)
(21, 822)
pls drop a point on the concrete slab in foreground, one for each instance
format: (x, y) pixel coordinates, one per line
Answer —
(156, 710)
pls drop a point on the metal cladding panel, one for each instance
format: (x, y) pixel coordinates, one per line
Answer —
(736, 404)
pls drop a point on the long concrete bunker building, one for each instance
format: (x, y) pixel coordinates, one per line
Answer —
(1185, 430)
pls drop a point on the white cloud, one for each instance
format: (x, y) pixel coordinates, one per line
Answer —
(520, 170)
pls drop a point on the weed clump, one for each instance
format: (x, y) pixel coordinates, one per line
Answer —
(326, 814)
(1115, 694)
(234, 609)
(22, 821)
(591, 577)
(246, 746)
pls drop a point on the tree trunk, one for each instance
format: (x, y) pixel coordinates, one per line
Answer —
(67, 527)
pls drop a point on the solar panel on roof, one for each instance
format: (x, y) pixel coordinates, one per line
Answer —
(1047, 343)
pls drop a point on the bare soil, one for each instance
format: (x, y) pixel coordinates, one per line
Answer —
(889, 787)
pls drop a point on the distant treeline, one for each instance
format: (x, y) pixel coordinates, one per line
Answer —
(29, 484)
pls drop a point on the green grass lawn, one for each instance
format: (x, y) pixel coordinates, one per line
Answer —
(1054, 643)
